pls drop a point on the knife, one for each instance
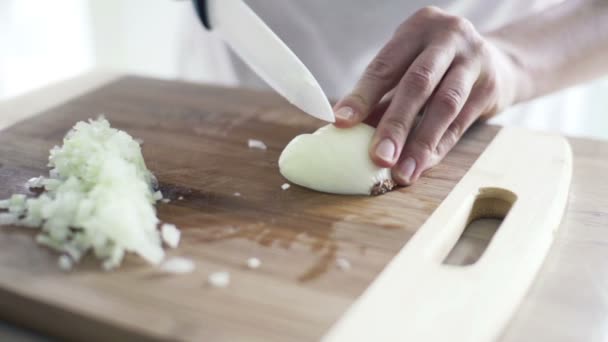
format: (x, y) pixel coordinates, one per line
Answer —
(264, 52)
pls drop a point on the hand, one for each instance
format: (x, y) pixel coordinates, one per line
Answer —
(438, 65)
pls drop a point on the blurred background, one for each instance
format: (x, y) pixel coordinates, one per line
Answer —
(42, 42)
(46, 41)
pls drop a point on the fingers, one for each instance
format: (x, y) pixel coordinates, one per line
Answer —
(442, 109)
(415, 87)
(381, 75)
(376, 114)
(374, 117)
(435, 61)
(474, 105)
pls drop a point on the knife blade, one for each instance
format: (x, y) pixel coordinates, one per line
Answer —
(264, 52)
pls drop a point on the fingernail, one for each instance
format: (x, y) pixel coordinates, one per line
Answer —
(345, 113)
(406, 170)
(386, 150)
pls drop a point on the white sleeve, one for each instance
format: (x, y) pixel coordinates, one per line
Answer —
(202, 56)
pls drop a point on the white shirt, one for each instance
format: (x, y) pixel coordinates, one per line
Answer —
(337, 39)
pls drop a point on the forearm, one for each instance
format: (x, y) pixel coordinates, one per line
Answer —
(557, 48)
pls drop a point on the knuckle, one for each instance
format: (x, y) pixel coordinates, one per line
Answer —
(478, 45)
(450, 138)
(380, 70)
(454, 132)
(451, 100)
(357, 101)
(459, 25)
(428, 12)
(420, 79)
(396, 127)
(406, 26)
(490, 84)
(423, 147)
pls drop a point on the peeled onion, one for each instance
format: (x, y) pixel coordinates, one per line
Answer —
(335, 160)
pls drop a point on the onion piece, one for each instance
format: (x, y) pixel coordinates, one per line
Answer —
(65, 263)
(343, 264)
(219, 279)
(254, 263)
(8, 219)
(35, 183)
(178, 265)
(170, 234)
(335, 160)
(157, 196)
(256, 144)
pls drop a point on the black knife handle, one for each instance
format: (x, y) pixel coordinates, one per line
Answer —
(201, 10)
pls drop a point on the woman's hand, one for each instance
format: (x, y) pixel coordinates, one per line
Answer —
(438, 65)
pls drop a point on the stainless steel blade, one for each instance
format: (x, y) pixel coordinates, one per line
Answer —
(268, 56)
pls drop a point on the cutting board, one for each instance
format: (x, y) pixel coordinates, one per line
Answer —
(195, 141)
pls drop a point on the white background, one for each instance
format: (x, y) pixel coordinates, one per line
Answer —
(45, 41)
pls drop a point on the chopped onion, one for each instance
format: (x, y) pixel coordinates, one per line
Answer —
(35, 183)
(343, 264)
(8, 219)
(219, 279)
(65, 263)
(16, 204)
(285, 186)
(170, 234)
(157, 196)
(178, 265)
(254, 263)
(257, 144)
(99, 197)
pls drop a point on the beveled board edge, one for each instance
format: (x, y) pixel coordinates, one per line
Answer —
(418, 298)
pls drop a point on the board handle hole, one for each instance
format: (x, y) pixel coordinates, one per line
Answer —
(489, 210)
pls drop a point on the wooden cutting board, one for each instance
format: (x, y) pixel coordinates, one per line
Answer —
(195, 141)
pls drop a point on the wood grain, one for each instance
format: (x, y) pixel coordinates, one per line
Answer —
(196, 143)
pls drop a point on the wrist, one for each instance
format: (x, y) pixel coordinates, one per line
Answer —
(514, 68)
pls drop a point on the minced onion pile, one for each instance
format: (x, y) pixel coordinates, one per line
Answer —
(99, 197)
